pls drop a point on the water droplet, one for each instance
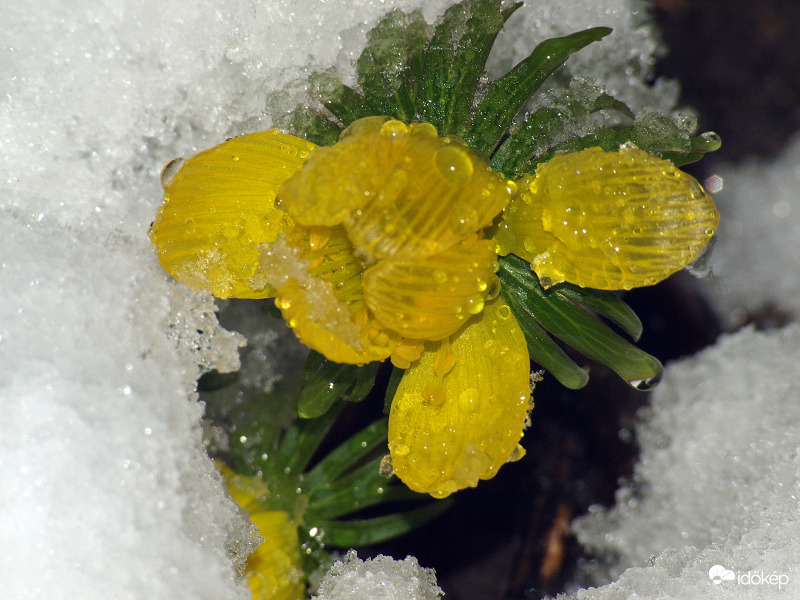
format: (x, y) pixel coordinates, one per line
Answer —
(711, 138)
(434, 394)
(401, 450)
(517, 453)
(393, 129)
(494, 289)
(454, 165)
(439, 276)
(170, 170)
(504, 311)
(474, 304)
(645, 385)
(425, 129)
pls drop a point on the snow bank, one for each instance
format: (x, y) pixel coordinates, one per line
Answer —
(718, 480)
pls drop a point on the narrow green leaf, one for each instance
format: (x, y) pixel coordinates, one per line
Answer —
(364, 532)
(455, 59)
(662, 135)
(346, 502)
(546, 126)
(325, 381)
(314, 127)
(301, 441)
(345, 103)
(510, 93)
(365, 381)
(361, 489)
(391, 62)
(347, 455)
(606, 304)
(557, 314)
(541, 347)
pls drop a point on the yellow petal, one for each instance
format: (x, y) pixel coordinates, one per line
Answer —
(219, 208)
(318, 281)
(248, 492)
(401, 191)
(274, 570)
(431, 298)
(453, 423)
(607, 220)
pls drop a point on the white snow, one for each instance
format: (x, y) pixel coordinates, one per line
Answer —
(755, 264)
(105, 489)
(379, 578)
(718, 481)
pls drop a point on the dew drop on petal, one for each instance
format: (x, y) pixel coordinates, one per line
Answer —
(454, 165)
(393, 129)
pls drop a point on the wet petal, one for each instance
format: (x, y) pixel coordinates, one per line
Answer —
(317, 276)
(219, 208)
(401, 191)
(274, 570)
(607, 220)
(459, 412)
(431, 298)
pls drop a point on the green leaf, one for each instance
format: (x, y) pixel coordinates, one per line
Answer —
(325, 381)
(360, 489)
(345, 103)
(347, 455)
(560, 316)
(606, 304)
(364, 532)
(659, 134)
(391, 62)
(541, 347)
(314, 127)
(455, 59)
(569, 110)
(301, 441)
(506, 97)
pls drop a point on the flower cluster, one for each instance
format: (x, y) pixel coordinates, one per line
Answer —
(385, 245)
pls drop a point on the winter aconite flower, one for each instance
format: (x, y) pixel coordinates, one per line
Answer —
(273, 570)
(376, 248)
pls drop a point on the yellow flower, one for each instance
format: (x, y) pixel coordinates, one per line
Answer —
(607, 220)
(273, 570)
(375, 248)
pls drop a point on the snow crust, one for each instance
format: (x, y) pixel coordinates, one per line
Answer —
(718, 482)
(106, 488)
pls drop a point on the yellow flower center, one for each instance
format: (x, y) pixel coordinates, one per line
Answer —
(388, 241)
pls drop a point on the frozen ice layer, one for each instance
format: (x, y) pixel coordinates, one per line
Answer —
(718, 482)
(379, 578)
